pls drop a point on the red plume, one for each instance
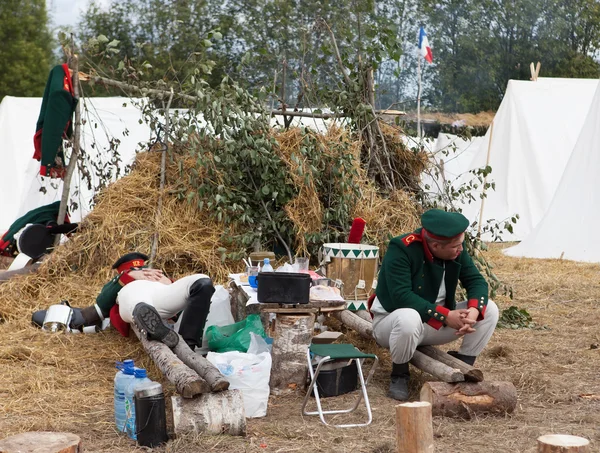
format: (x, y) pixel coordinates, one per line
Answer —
(356, 231)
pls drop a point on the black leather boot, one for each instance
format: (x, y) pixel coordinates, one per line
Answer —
(399, 382)
(196, 311)
(147, 319)
(468, 359)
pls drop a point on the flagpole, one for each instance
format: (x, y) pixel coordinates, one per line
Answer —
(419, 95)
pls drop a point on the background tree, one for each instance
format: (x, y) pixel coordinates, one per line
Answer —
(26, 50)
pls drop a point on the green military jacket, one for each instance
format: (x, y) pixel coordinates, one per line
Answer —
(411, 278)
(108, 296)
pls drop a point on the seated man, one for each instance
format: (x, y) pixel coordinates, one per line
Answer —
(415, 297)
(147, 297)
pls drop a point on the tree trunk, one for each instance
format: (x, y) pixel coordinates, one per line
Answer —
(437, 369)
(562, 443)
(365, 315)
(200, 365)
(355, 322)
(466, 399)
(472, 374)
(414, 429)
(212, 413)
(41, 442)
(292, 335)
(186, 381)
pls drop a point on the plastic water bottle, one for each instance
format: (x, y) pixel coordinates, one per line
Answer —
(140, 379)
(122, 378)
(267, 266)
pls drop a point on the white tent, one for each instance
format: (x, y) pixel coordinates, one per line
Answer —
(569, 229)
(533, 134)
(453, 156)
(106, 120)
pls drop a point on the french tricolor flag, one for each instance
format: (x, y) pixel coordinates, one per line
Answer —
(424, 46)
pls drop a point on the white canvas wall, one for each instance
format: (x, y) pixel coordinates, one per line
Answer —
(535, 130)
(104, 118)
(569, 229)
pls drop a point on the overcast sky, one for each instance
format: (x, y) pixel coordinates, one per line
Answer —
(68, 12)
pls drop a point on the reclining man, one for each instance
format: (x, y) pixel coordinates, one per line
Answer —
(147, 297)
(415, 297)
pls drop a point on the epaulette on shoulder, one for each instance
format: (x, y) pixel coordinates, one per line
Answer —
(410, 238)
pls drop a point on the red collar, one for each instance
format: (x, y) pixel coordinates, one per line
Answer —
(428, 254)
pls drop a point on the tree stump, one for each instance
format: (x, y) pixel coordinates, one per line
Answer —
(414, 429)
(41, 442)
(562, 443)
(212, 413)
(292, 335)
(468, 398)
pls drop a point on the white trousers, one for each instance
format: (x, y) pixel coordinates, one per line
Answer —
(403, 330)
(167, 299)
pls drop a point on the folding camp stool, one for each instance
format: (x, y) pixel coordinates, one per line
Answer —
(329, 353)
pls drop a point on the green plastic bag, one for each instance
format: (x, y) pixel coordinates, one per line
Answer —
(234, 337)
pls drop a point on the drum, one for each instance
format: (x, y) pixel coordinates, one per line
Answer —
(353, 267)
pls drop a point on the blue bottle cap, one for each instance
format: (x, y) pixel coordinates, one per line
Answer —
(267, 261)
(140, 373)
(129, 370)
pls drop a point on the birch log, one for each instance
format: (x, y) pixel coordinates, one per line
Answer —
(437, 369)
(562, 443)
(472, 374)
(468, 398)
(200, 365)
(41, 442)
(212, 413)
(292, 335)
(364, 314)
(186, 381)
(355, 322)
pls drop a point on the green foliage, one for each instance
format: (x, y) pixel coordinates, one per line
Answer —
(516, 318)
(26, 52)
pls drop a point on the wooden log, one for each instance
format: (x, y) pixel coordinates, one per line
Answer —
(7, 275)
(414, 428)
(562, 443)
(200, 365)
(291, 335)
(41, 442)
(364, 314)
(469, 398)
(437, 369)
(472, 374)
(186, 381)
(355, 322)
(212, 413)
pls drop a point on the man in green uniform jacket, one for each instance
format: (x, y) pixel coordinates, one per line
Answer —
(415, 297)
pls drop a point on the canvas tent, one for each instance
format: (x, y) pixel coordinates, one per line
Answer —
(569, 229)
(452, 155)
(106, 120)
(528, 147)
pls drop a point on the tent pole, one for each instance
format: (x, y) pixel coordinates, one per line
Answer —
(419, 97)
(487, 163)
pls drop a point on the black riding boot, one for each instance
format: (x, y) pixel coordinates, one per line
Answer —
(399, 382)
(468, 359)
(196, 311)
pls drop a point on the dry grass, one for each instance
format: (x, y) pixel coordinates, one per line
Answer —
(64, 382)
(470, 119)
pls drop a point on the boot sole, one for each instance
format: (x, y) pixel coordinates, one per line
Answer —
(147, 319)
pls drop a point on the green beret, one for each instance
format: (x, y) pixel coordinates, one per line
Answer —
(443, 224)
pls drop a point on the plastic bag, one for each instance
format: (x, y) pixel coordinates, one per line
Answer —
(234, 337)
(220, 312)
(249, 373)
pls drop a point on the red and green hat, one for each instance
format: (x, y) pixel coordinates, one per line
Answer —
(444, 225)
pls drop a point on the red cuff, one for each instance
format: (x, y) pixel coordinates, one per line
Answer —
(438, 317)
(479, 305)
(125, 278)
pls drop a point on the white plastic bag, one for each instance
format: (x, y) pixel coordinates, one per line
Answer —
(220, 312)
(249, 373)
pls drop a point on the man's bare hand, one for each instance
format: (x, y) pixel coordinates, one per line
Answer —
(470, 318)
(456, 319)
(153, 275)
